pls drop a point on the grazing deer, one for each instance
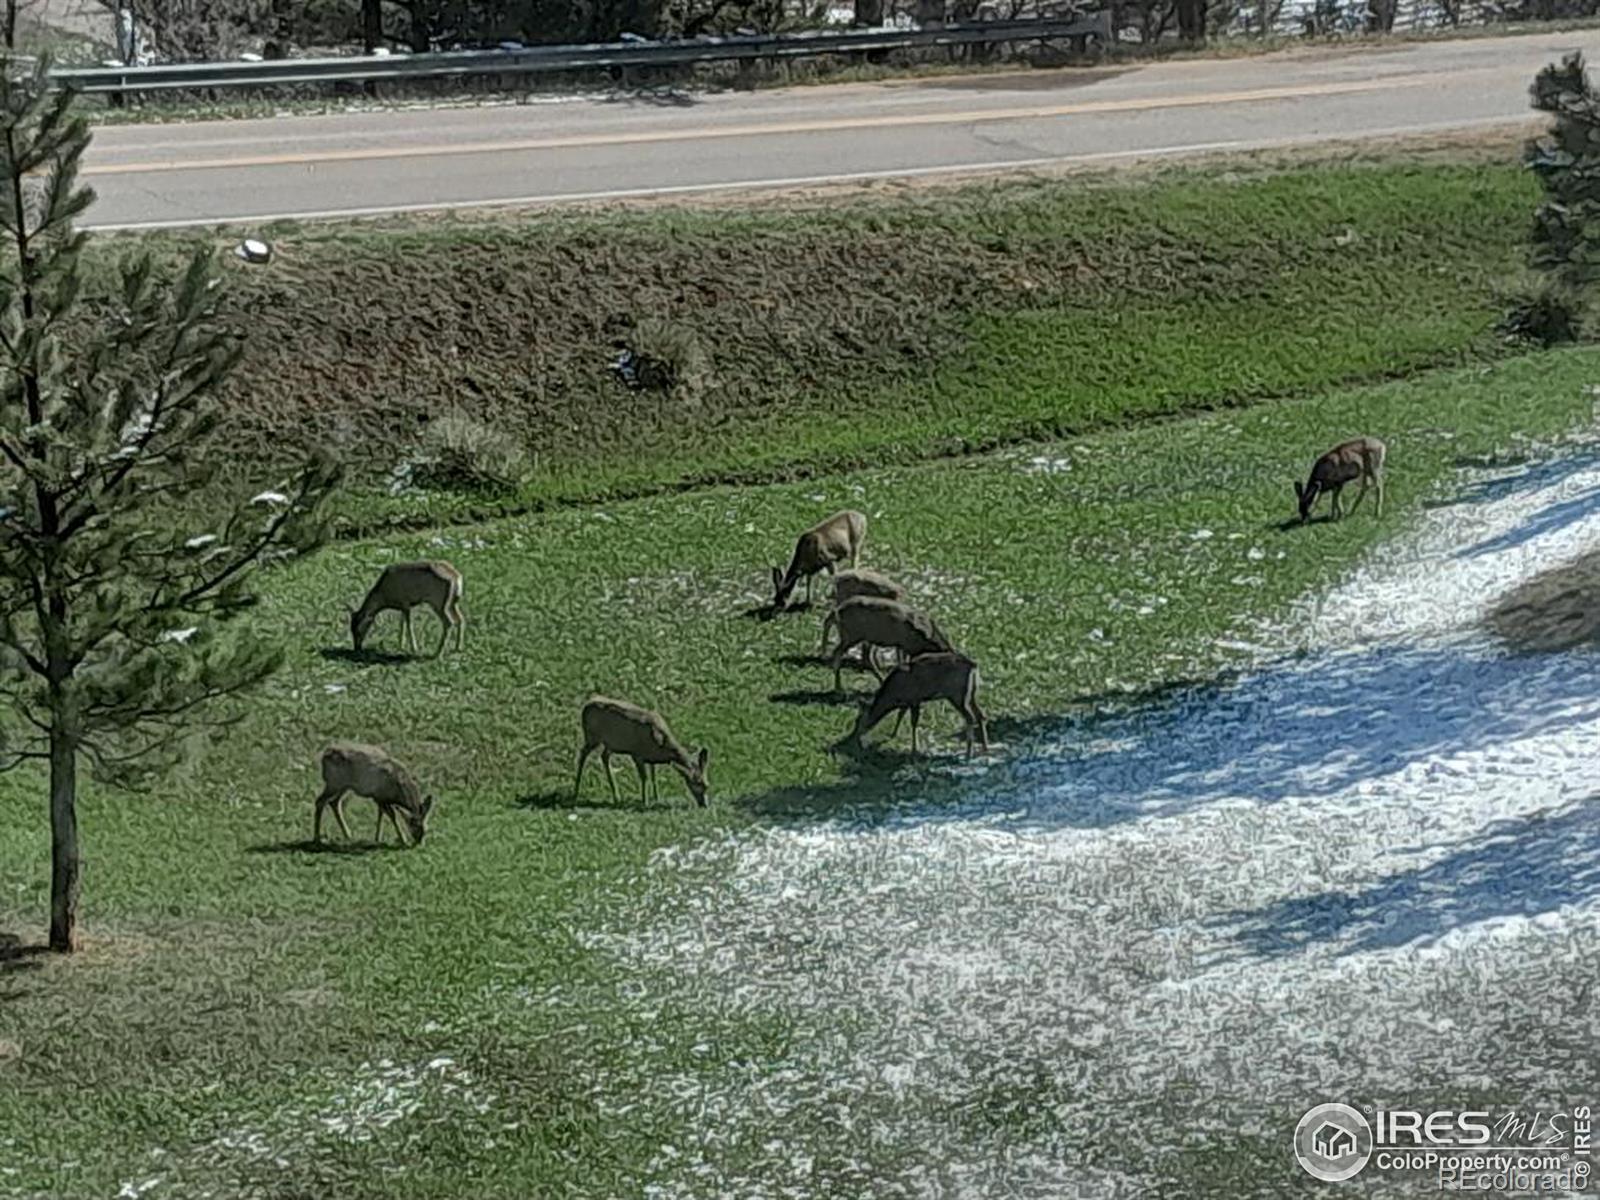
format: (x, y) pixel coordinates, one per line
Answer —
(403, 586)
(847, 585)
(944, 676)
(1361, 458)
(617, 727)
(369, 771)
(871, 621)
(820, 548)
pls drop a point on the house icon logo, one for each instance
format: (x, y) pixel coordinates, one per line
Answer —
(1332, 1142)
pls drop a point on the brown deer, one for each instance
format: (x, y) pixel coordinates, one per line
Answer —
(1359, 458)
(403, 586)
(872, 621)
(820, 548)
(371, 772)
(948, 676)
(847, 585)
(617, 727)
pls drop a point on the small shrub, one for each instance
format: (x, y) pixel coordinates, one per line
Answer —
(663, 356)
(459, 453)
(1548, 315)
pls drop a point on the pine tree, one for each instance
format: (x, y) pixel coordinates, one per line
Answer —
(1566, 236)
(120, 574)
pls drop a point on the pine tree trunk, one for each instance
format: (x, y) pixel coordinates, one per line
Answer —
(371, 24)
(64, 862)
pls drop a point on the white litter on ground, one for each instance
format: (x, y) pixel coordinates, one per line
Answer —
(1143, 949)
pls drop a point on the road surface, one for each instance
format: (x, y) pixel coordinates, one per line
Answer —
(538, 153)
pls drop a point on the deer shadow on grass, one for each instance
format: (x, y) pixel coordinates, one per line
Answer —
(369, 658)
(597, 801)
(1290, 524)
(354, 846)
(843, 698)
(770, 611)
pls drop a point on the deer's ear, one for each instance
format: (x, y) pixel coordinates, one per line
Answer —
(700, 759)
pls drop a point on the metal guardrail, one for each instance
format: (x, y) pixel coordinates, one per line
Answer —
(363, 68)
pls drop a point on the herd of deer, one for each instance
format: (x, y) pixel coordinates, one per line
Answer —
(869, 611)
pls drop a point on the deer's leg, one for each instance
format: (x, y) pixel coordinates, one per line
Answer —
(827, 627)
(898, 713)
(377, 834)
(1377, 479)
(1361, 495)
(444, 630)
(605, 761)
(844, 648)
(459, 616)
(329, 795)
(982, 723)
(970, 720)
(583, 758)
(644, 781)
(400, 832)
(916, 716)
(338, 815)
(408, 639)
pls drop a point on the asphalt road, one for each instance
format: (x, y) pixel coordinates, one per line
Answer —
(544, 152)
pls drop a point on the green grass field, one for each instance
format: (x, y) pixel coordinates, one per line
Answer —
(252, 1018)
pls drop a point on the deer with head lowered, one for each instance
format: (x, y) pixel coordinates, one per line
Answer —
(847, 585)
(820, 548)
(403, 586)
(871, 621)
(617, 727)
(371, 772)
(948, 676)
(1359, 458)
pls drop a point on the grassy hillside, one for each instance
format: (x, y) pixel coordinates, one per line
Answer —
(252, 1018)
(882, 331)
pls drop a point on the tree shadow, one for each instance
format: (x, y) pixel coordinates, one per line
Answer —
(1304, 727)
(1548, 520)
(1520, 866)
(1534, 474)
(307, 846)
(369, 658)
(1556, 610)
